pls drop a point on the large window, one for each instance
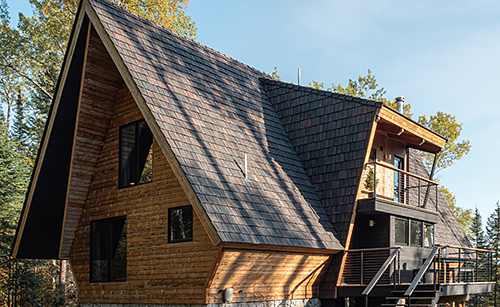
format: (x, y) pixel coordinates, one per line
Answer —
(108, 249)
(416, 233)
(180, 224)
(428, 235)
(401, 233)
(136, 154)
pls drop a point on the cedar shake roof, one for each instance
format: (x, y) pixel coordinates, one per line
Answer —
(212, 111)
(330, 133)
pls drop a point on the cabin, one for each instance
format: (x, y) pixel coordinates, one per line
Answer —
(171, 174)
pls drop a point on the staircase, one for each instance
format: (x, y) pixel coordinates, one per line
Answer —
(423, 296)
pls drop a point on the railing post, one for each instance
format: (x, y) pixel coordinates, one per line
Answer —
(419, 184)
(375, 180)
(399, 267)
(459, 263)
(475, 278)
(361, 277)
(436, 197)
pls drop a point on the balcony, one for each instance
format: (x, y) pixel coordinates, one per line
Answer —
(446, 271)
(388, 189)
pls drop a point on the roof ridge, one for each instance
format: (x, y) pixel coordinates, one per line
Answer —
(177, 35)
(325, 93)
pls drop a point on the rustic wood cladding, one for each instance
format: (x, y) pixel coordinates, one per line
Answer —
(386, 150)
(100, 87)
(266, 275)
(157, 272)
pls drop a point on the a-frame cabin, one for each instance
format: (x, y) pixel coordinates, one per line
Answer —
(171, 174)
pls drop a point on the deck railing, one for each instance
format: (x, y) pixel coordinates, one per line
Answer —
(445, 265)
(414, 190)
(463, 265)
(362, 265)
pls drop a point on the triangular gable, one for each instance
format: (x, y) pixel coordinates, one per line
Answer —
(206, 111)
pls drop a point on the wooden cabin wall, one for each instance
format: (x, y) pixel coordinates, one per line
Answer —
(157, 271)
(267, 275)
(386, 149)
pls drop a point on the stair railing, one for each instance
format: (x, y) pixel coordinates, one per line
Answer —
(381, 271)
(430, 260)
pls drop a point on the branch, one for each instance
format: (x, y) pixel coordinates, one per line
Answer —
(16, 69)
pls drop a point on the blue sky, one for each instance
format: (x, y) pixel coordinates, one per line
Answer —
(441, 55)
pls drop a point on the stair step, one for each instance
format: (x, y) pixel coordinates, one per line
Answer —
(412, 297)
(406, 304)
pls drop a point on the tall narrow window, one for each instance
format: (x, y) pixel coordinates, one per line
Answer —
(401, 231)
(399, 186)
(136, 154)
(428, 235)
(416, 233)
(108, 249)
(180, 224)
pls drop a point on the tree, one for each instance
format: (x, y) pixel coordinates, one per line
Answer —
(445, 125)
(493, 233)
(478, 240)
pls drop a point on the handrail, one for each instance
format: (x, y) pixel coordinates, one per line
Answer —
(381, 271)
(422, 271)
(466, 248)
(404, 172)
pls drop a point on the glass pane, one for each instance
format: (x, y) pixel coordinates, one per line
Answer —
(127, 155)
(181, 224)
(119, 250)
(398, 180)
(416, 233)
(99, 246)
(401, 231)
(428, 235)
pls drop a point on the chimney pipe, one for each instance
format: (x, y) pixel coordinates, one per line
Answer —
(400, 101)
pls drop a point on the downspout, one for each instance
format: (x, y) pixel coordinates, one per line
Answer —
(430, 178)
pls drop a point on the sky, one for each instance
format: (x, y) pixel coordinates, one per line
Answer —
(440, 55)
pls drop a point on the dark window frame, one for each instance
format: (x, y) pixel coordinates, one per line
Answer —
(136, 167)
(407, 221)
(108, 222)
(171, 224)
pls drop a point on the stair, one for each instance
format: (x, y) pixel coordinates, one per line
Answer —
(423, 296)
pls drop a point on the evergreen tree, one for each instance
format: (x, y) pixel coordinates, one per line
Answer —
(493, 232)
(478, 240)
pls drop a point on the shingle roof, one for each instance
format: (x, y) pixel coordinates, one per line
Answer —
(330, 133)
(212, 110)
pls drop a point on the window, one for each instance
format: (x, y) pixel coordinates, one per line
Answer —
(108, 249)
(180, 224)
(416, 233)
(136, 154)
(428, 235)
(401, 235)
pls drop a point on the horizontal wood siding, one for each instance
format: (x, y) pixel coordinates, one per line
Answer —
(157, 272)
(267, 275)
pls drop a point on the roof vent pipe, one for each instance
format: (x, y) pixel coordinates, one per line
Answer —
(298, 76)
(400, 101)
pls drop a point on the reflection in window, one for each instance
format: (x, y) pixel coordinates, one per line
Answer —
(180, 224)
(108, 250)
(401, 231)
(428, 235)
(136, 154)
(416, 233)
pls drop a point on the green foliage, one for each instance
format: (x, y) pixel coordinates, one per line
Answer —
(370, 180)
(315, 84)
(493, 233)
(275, 74)
(364, 87)
(446, 125)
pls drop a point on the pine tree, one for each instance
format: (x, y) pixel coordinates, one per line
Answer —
(478, 240)
(493, 232)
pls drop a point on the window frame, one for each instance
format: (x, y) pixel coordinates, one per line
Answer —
(137, 180)
(407, 237)
(108, 222)
(170, 224)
